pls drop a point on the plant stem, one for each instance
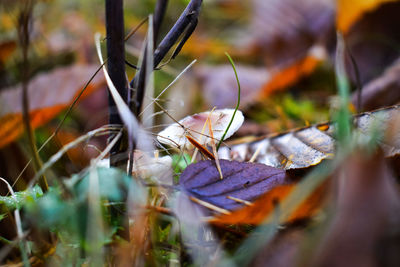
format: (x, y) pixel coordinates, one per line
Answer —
(186, 19)
(116, 70)
(24, 21)
(237, 104)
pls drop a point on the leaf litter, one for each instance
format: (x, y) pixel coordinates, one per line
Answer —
(242, 180)
(175, 134)
(305, 147)
(267, 204)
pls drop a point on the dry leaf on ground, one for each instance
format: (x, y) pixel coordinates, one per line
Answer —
(49, 94)
(283, 31)
(305, 147)
(262, 207)
(242, 180)
(219, 85)
(382, 91)
(348, 12)
(365, 227)
(373, 42)
(195, 126)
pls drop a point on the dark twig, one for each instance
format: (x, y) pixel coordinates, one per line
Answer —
(187, 21)
(116, 69)
(140, 83)
(189, 15)
(191, 27)
(131, 65)
(159, 13)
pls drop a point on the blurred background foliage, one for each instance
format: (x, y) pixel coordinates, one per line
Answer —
(284, 51)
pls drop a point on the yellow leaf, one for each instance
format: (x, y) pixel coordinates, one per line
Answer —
(348, 12)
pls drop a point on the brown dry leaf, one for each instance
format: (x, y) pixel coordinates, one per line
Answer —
(283, 249)
(373, 42)
(75, 34)
(305, 147)
(49, 94)
(79, 155)
(283, 31)
(365, 228)
(287, 36)
(348, 12)
(383, 91)
(201, 46)
(6, 50)
(287, 76)
(219, 84)
(263, 206)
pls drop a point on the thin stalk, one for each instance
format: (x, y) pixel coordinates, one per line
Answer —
(358, 80)
(24, 20)
(237, 104)
(343, 115)
(20, 233)
(187, 20)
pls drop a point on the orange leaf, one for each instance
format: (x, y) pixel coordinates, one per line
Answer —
(348, 12)
(6, 50)
(49, 94)
(200, 46)
(79, 155)
(262, 207)
(291, 74)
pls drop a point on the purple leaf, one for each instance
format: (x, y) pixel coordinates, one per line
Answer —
(243, 180)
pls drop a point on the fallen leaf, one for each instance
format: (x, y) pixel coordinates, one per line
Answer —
(199, 46)
(348, 12)
(80, 155)
(283, 249)
(219, 85)
(372, 41)
(175, 134)
(289, 75)
(49, 94)
(305, 147)
(283, 31)
(241, 180)
(365, 225)
(263, 206)
(6, 50)
(382, 91)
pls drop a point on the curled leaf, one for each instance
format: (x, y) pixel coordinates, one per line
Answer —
(175, 134)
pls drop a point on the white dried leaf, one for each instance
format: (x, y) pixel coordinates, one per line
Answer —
(175, 134)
